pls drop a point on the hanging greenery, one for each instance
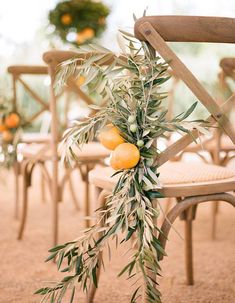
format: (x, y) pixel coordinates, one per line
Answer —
(10, 125)
(130, 123)
(79, 21)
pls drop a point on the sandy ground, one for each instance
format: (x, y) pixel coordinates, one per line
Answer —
(22, 267)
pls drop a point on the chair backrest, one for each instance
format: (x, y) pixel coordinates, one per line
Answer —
(156, 30)
(53, 59)
(18, 73)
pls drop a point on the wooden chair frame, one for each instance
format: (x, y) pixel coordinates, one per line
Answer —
(17, 72)
(53, 59)
(27, 166)
(156, 31)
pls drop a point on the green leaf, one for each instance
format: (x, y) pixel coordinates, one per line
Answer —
(60, 259)
(56, 248)
(135, 294)
(94, 278)
(52, 256)
(72, 295)
(155, 194)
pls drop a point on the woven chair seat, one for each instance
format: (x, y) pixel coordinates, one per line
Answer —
(178, 179)
(92, 151)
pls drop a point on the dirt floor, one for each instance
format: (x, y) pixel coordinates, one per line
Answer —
(22, 267)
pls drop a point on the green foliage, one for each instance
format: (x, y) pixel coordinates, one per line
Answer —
(83, 13)
(130, 88)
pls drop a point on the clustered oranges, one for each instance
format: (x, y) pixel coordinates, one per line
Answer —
(110, 137)
(125, 155)
(66, 19)
(10, 122)
(86, 34)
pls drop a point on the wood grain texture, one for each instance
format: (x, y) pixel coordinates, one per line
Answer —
(27, 69)
(158, 43)
(190, 28)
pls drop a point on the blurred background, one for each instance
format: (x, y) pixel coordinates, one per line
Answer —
(25, 33)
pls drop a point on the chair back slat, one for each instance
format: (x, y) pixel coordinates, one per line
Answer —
(175, 148)
(190, 28)
(156, 30)
(18, 72)
(185, 74)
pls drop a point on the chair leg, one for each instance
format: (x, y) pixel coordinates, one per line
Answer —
(215, 207)
(180, 209)
(93, 289)
(74, 198)
(56, 193)
(43, 193)
(17, 177)
(87, 195)
(189, 251)
(101, 197)
(188, 216)
(26, 183)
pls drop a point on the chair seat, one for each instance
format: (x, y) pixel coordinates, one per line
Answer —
(178, 179)
(35, 138)
(90, 152)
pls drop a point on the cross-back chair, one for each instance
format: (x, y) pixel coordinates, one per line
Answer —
(33, 144)
(190, 183)
(19, 75)
(218, 149)
(91, 154)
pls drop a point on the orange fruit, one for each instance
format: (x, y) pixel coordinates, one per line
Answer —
(88, 33)
(81, 79)
(110, 137)
(66, 19)
(80, 38)
(125, 155)
(2, 127)
(7, 136)
(12, 120)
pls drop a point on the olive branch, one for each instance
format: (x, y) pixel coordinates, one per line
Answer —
(131, 88)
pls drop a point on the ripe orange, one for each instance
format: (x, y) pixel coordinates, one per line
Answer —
(110, 137)
(125, 155)
(80, 38)
(2, 128)
(88, 33)
(12, 120)
(7, 136)
(66, 19)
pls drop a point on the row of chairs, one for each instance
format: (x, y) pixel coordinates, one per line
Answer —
(40, 148)
(189, 184)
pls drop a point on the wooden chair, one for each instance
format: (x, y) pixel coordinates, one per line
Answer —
(40, 154)
(18, 73)
(218, 149)
(190, 184)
